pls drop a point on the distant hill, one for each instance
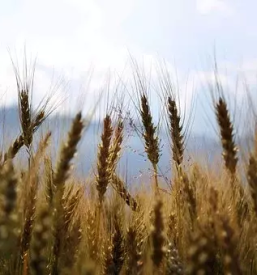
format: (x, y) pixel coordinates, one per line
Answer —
(133, 161)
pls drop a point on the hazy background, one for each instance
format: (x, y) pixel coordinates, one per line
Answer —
(82, 45)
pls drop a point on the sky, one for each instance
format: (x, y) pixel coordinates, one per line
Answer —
(78, 44)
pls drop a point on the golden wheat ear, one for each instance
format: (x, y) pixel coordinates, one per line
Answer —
(133, 262)
(119, 186)
(40, 241)
(177, 124)
(252, 180)
(189, 194)
(228, 242)
(32, 180)
(227, 136)
(49, 175)
(230, 157)
(8, 218)
(14, 148)
(151, 138)
(149, 131)
(114, 251)
(103, 171)
(115, 148)
(67, 153)
(71, 230)
(201, 254)
(174, 264)
(175, 130)
(29, 122)
(157, 236)
(25, 114)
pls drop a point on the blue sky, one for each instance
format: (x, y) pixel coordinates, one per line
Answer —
(70, 37)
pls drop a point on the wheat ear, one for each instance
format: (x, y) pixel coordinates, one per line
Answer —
(115, 147)
(134, 262)
(174, 264)
(20, 141)
(25, 115)
(31, 197)
(175, 131)
(227, 136)
(252, 180)
(103, 175)
(40, 240)
(189, 194)
(8, 218)
(201, 254)
(114, 254)
(62, 172)
(122, 191)
(157, 236)
(151, 139)
(228, 242)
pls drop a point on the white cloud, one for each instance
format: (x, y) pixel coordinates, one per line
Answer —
(208, 6)
(66, 36)
(84, 35)
(72, 36)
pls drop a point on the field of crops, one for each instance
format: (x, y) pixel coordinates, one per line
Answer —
(51, 222)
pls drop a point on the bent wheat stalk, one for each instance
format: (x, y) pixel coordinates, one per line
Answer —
(125, 195)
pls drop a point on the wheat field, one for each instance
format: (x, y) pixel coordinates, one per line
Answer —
(53, 223)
